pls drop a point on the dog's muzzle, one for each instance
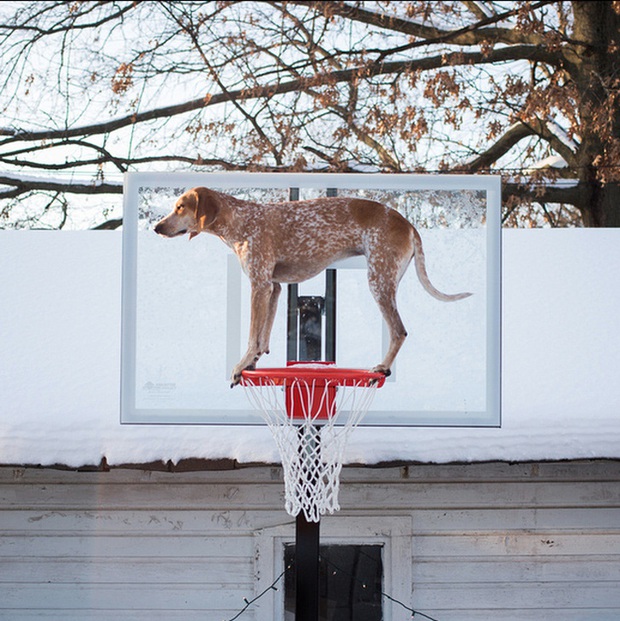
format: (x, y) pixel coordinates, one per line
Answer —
(160, 229)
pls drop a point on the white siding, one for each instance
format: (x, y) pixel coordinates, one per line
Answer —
(492, 541)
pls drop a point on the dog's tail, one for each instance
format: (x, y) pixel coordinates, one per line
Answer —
(420, 268)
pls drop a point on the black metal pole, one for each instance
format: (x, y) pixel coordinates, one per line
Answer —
(292, 339)
(330, 315)
(307, 535)
(330, 305)
(293, 311)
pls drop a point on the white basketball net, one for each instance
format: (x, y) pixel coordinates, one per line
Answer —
(311, 420)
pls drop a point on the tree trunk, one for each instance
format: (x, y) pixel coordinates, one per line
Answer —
(597, 61)
(602, 207)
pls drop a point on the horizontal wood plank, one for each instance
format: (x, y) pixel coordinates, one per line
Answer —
(506, 542)
(159, 596)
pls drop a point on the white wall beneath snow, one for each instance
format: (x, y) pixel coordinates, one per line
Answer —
(509, 542)
(60, 361)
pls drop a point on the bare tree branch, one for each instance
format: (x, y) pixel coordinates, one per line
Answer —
(106, 87)
(467, 35)
(524, 52)
(22, 185)
(484, 160)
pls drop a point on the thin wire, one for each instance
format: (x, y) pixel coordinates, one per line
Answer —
(272, 587)
(413, 612)
(248, 603)
(383, 594)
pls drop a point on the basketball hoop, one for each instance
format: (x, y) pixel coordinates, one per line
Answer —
(311, 409)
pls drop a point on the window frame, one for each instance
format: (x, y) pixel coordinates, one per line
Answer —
(393, 533)
(339, 582)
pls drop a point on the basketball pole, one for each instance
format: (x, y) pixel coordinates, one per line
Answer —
(305, 343)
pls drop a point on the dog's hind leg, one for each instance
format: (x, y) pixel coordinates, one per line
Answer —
(383, 280)
(397, 332)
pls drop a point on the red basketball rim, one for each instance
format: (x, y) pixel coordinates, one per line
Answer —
(316, 374)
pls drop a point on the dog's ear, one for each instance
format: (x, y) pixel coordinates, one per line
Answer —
(207, 207)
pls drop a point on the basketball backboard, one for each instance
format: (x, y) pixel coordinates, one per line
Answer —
(186, 308)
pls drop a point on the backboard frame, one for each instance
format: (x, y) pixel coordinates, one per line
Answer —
(134, 413)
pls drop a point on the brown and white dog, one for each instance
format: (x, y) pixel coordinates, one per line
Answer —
(290, 242)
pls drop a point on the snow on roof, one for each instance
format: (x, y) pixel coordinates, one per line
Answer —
(60, 362)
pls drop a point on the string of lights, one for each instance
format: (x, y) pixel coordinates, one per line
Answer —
(274, 587)
(413, 612)
(249, 602)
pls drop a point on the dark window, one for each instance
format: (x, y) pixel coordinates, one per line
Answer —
(351, 578)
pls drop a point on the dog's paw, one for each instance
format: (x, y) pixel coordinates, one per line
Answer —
(235, 378)
(236, 374)
(381, 369)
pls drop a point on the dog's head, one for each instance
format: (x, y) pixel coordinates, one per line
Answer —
(193, 212)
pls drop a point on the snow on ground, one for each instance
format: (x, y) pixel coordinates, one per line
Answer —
(60, 361)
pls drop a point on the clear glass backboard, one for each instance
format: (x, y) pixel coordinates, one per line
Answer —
(186, 304)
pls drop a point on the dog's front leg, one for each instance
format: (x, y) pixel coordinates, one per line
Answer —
(271, 315)
(260, 319)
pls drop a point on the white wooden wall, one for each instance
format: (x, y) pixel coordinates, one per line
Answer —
(494, 542)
